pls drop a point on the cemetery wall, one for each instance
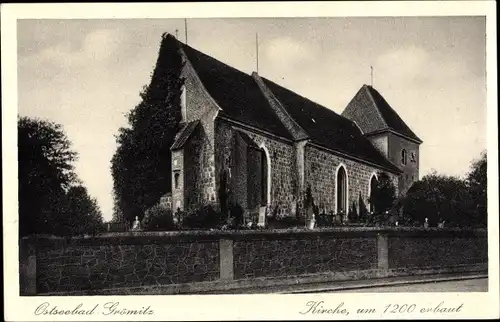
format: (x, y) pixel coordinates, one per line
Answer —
(215, 261)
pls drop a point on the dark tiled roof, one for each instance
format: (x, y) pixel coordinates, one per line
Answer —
(327, 128)
(184, 134)
(235, 92)
(372, 113)
(361, 110)
(390, 116)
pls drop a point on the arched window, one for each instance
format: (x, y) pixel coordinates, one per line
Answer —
(404, 157)
(265, 175)
(176, 180)
(372, 192)
(183, 104)
(342, 190)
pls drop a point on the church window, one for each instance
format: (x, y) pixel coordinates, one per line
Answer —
(372, 192)
(183, 104)
(404, 157)
(176, 180)
(342, 190)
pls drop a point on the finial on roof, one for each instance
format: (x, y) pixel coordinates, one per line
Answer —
(371, 76)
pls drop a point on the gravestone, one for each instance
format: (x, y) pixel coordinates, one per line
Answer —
(293, 209)
(262, 217)
(137, 224)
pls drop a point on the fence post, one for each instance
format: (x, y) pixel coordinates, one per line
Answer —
(27, 267)
(383, 253)
(226, 259)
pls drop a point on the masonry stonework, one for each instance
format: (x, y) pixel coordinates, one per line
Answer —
(282, 155)
(178, 179)
(197, 99)
(320, 175)
(410, 170)
(198, 161)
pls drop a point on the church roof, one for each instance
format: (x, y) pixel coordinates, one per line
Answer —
(235, 92)
(327, 128)
(373, 114)
(241, 99)
(184, 134)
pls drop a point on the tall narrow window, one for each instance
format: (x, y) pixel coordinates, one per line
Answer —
(176, 180)
(373, 193)
(404, 157)
(183, 104)
(264, 178)
(341, 190)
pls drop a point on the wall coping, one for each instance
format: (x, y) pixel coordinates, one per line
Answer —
(152, 237)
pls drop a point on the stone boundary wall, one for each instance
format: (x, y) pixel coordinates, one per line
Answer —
(205, 261)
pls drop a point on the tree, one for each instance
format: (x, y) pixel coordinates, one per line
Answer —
(476, 182)
(45, 173)
(49, 200)
(117, 212)
(383, 194)
(83, 214)
(141, 165)
(438, 198)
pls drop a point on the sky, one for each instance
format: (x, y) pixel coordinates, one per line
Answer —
(87, 74)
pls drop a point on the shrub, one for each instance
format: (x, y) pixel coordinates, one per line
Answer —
(205, 217)
(285, 222)
(383, 194)
(158, 218)
(236, 214)
(352, 215)
(325, 220)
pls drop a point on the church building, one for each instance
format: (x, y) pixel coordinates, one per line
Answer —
(266, 144)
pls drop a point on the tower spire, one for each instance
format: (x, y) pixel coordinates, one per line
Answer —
(257, 50)
(186, 29)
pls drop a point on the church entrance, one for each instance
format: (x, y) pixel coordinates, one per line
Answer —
(258, 178)
(252, 179)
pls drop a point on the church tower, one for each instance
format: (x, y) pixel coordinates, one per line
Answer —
(380, 123)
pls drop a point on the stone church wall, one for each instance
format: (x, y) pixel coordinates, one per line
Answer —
(320, 175)
(282, 162)
(410, 170)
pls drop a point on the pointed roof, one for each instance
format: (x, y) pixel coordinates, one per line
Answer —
(373, 114)
(327, 128)
(236, 93)
(184, 134)
(241, 99)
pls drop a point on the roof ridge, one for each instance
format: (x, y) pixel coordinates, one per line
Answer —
(308, 99)
(233, 91)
